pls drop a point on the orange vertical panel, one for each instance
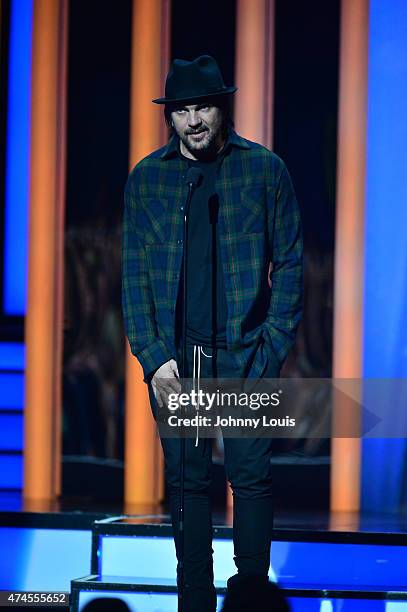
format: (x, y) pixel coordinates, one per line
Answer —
(255, 70)
(349, 243)
(43, 322)
(254, 76)
(150, 57)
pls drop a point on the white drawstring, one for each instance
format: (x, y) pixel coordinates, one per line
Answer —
(202, 351)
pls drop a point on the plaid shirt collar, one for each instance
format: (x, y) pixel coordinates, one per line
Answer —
(233, 139)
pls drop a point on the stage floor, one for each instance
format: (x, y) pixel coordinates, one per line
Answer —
(87, 549)
(320, 520)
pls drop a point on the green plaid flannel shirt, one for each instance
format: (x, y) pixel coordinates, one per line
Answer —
(259, 221)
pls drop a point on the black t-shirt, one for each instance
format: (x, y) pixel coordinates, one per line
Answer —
(206, 303)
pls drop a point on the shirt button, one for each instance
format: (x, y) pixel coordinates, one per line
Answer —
(181, 207)
(179, 241)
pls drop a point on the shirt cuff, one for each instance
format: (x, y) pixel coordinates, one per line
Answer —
(152, 357)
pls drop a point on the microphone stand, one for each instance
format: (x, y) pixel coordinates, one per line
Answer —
(192, 180)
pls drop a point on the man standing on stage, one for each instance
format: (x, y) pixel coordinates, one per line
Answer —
(243, 216)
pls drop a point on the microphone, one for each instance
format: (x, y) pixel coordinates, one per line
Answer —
(193, 177)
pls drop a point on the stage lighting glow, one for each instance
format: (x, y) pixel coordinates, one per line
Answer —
(17, 158)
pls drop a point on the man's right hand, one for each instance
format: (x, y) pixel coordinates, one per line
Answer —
(166, 381)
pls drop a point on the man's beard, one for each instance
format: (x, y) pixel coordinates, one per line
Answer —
(207, 146)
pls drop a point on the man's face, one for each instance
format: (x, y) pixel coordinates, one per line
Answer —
(199, 127)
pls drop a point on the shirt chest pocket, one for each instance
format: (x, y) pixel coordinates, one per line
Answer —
(152, 221)
(253, 209)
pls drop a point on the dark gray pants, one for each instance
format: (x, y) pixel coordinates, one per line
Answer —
(248, 469)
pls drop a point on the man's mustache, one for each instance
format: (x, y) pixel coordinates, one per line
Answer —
(196, 132)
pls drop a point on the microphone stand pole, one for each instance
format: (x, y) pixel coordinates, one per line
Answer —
(191, 185)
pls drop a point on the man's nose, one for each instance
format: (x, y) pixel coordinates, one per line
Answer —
(193, 119)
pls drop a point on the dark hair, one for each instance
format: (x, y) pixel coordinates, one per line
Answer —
(224, 102)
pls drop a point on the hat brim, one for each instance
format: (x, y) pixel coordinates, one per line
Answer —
(227, 90)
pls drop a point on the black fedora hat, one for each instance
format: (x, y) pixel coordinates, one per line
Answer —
(200, 78)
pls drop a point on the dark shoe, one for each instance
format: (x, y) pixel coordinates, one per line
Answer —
(240, 580)
(247, 592)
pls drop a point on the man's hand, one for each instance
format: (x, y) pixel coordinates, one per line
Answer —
(166, 381)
